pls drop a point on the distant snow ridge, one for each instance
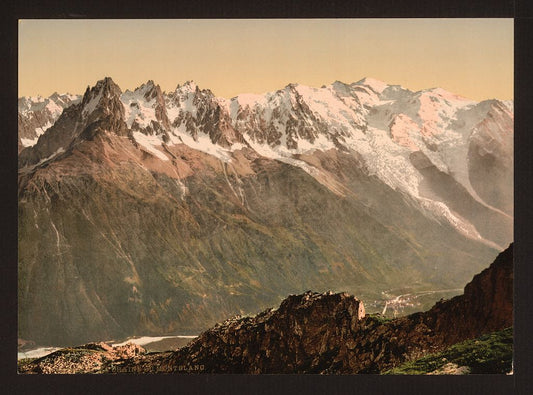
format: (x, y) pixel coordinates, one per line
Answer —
(37, 114)
(383, 124)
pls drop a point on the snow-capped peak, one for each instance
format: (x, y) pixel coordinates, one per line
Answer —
(384, 124)
(147, 86)
(187, 87)
(249, 99)
(90, 100)
(140, 106)
(339, 86)
(291, 86)
(445, 94)
(374, 84)
(105, 84)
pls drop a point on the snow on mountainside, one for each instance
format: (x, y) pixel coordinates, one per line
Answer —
(397, 134)
(36, 114)
(150, 212)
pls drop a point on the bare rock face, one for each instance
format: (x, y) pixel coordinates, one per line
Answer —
(491, 155)
(160, 112)
(305, 334)
(486, 306)
(102, 109)
(308, 333)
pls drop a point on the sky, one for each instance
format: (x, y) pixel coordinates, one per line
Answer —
(470, 57)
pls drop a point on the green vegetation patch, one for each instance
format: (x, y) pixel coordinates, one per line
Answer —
(491, 353)
(379, 318)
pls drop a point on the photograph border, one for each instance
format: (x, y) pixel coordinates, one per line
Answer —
(367, 384)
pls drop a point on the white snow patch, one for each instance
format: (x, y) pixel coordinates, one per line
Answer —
(54, 109)
(250, 99)
(29, 142)
(329, 107)
(137, 108)
(401, 129)
(203, 143)
(73, 98)
(38, 132)
(439, 209)
(376, 85)
(509, 104)
(60, 150)
(91, 106)
(282, 154)
(37, 353)
(150, 143)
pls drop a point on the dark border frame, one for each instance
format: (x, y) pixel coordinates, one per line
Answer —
(267, 384)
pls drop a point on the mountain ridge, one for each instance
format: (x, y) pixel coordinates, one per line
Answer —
(152, 227)
(278, 127)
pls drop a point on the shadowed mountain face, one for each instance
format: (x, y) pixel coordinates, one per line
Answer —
(151, 213)
(38, 114)
(491, 158)
(327, 333)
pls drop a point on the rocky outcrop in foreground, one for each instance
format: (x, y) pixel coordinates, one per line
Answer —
(89, 358)
(491, 353)
(326, 333)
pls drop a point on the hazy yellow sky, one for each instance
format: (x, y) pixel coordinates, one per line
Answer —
(471, 57)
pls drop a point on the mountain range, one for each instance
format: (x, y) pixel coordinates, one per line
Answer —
(150, 212)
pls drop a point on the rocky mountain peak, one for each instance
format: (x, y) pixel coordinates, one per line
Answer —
(291, 86)
(103, 86)
(187, 87)
(340, 86)
(145, 110)
(376, 85)
(198, 112)
(105, 97)
(150, 90)
(100, 110)
(441, 94)
(310, 302)
(38, 114)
